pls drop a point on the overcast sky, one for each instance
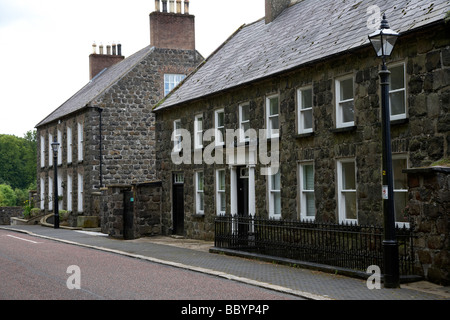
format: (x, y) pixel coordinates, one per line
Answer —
(45, 45)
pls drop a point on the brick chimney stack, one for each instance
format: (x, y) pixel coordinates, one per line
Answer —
(170, 28)
(274, 8)
(100, 61)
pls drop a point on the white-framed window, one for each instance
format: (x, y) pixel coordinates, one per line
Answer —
(177, 136)
(347, 206)
(198, 131)
(220, 190)
(59, 137)
(50, 193)
(199, 192)
(274, 195)
(42, 152)
(42, 200)
(244, 121)
(80, 141)
(400, 162)
(307, 198)
(397, 92)
(219, 120)
(272, 116)
(50, 151)
(69, 145)
(171, 81)
(345, 106)
(69, 193)
(304, 110)
(60, 192)
(80, 199)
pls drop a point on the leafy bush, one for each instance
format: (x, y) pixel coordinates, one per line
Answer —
(8, 197)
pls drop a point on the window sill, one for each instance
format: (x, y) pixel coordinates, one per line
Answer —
(199, 215)
(344, 129)
(304, 135)
(399, 121)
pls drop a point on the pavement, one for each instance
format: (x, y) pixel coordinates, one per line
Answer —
(198, 256)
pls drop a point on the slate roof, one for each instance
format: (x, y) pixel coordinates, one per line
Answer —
(97, 86)
(305, 32)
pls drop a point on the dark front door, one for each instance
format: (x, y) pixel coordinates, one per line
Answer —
(242, 191)
(242, 202)
(128, 215)
(178, 204)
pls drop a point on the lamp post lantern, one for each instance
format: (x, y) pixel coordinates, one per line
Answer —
(55, 147)
(383, 41)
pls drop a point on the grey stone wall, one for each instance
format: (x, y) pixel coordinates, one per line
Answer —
(6, 213)
(146, 209)
(423, 137)
(428, 207)
(74, 168)
(127, 151)
(128, 124)
(113, 209)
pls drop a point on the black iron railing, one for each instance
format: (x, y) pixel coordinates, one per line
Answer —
(342, 245)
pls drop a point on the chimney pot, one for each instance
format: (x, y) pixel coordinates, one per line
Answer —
(178, 6)
(119, 49)
(172, 6)
(94, 48)
(186, 6)
(172, 31)
(164, 2)
(114, 49)
(274, 8)
(157, 6)
(108, 49)
(99, 62)
(101, 49)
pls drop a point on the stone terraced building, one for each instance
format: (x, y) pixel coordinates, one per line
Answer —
(106, 130)
(308, 75)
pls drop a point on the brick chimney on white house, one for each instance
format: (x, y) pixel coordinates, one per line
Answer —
(170, 27)
(100, 61)
(274, 8)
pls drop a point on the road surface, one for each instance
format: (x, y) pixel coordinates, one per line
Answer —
(33, 268)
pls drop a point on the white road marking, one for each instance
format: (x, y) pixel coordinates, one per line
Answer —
(22, 239)
(92, 233)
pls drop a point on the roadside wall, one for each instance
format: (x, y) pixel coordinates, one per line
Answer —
(428, 207)
(144, 207)
(6, 213)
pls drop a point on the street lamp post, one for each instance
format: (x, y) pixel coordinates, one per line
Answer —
(55, 147)
(383, 41)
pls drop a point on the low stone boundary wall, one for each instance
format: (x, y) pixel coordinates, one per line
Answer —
(143, 208)
(6, 213)
(429, 209)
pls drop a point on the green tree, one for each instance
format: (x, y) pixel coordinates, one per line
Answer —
(21, 197)
(7, 196)
(30, 158)
(18, 160)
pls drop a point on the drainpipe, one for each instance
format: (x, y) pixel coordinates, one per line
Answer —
(100, 110)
